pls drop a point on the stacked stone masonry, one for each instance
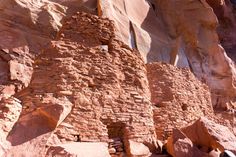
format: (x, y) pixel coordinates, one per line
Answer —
(76, 82)
(178, 98)
(102, 80)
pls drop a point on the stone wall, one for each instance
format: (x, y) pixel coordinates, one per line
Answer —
(163, 32)
(69, 79)
(178, 98)
(88, 86)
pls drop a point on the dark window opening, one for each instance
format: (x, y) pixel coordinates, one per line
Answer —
(184, 107)
(115, 130)
(116, 137)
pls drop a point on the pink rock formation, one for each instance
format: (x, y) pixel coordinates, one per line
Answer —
(71, 79)
(206, 133)
(172, 87)
(225, 12)
(81, 90)
(165, 33)
(143, 30)
(179, 145)
(77, 149)
(138, 149)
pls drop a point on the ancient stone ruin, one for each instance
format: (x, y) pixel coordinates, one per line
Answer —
(135, 78)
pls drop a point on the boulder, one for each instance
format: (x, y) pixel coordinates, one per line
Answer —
(40, 121)
(183, 148)
(207, 133)
(179, 145)
(177, 134)
(79, 149)
(137, 149)
(20, 72)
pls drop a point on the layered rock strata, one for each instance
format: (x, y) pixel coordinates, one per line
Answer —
(67, 80)
(163, 32)
(225, 11)
(87, 86)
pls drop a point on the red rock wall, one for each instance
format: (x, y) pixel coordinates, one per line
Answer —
(177, 96)
(114, 87)
(22, 39)
(207, 58)
(226, 14)
(65, 79)
(84, 86)
(180, 33)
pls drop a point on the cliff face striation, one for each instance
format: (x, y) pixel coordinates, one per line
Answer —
(76, 76)
(182, 33)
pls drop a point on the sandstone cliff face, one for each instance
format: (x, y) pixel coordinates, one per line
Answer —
(225, 12)
(207, 58)
(182, 33)
(22, 38)
(143, 30)
(70, 79)
(85, 86)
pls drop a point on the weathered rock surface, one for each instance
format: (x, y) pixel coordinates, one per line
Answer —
(211, 135)
(85, 70)
(163, 32)
(27, 27)
(79, 149)
(138, 149)
(178, 98)
(10, 110)
(143, 30)
(179, 145)
(225, 12)
(204, 134)
(67, 78)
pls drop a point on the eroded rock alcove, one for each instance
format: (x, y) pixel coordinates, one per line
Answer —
(108, 78)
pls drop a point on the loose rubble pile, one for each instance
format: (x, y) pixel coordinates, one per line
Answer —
(116, 147)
